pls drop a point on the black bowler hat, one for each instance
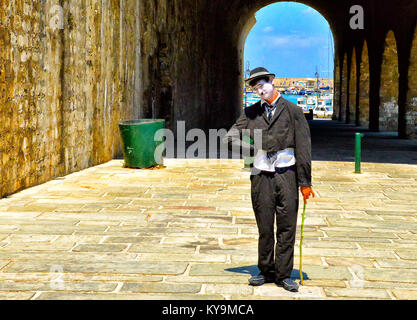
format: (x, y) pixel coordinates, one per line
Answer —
(259, 73)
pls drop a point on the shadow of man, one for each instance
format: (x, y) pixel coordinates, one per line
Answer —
(254, 270)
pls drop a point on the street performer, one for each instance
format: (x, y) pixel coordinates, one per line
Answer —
(282, 164)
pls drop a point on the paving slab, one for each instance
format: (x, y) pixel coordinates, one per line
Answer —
(100, 267)
(124, 296)
(405, 294)
(357, 293)
(161, 288)
(56, 285)
(229, 279)
(390, 275)
(382, 285)
(4, 263)
(68, 256)
(182, 257)
(21, 295)
(271, 290)
(227, 288)
(408, 254)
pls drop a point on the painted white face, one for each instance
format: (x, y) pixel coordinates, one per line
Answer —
(264, 89)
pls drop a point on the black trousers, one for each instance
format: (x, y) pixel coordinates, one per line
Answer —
(275, 198)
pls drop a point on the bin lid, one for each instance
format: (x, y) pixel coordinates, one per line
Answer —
(140, 121)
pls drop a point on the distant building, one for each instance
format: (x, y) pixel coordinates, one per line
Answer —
(302, 83)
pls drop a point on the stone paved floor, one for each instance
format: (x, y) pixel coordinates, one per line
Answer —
(188, 232)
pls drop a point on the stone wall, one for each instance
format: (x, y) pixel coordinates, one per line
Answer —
(68, 75)
(388, 110)
(174, 66)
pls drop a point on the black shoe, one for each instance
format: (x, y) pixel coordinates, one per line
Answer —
(261, 279)
(288, 284)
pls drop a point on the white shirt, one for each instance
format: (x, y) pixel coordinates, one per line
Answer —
(283, 158)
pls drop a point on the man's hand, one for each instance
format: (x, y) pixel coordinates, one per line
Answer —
(307, 191)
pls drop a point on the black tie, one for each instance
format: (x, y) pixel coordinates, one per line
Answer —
(270, 110)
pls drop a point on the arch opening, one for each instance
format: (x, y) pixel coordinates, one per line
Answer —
(302, 57)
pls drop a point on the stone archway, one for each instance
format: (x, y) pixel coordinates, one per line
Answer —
(388, 108)
(411, 103)
(344, 89)
(364, 82)
(352, 90)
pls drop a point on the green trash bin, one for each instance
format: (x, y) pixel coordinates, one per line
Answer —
(138, 142)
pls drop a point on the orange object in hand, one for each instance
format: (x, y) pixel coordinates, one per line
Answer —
(307, 191)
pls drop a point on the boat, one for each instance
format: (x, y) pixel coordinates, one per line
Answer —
(324, 108)
(250, 98)
(307, 104)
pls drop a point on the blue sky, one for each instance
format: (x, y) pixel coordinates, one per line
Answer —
(290, 39)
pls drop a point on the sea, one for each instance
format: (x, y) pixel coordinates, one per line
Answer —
(253, 98)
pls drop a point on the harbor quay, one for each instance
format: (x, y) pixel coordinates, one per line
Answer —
(187, 230)
(302, 84)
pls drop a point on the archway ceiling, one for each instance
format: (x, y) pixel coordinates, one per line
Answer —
(333, 11)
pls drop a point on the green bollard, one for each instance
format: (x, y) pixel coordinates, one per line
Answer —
(358, 147)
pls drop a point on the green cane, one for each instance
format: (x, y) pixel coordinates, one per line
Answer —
(301, 244)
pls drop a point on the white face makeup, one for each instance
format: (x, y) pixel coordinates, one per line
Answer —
(264, 89)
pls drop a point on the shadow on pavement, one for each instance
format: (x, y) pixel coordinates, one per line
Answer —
(253, 271)
(335, 141)
(249, 270)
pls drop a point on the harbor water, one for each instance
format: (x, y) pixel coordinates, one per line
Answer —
(253, 98)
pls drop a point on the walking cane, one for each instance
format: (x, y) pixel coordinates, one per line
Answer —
(301, 244)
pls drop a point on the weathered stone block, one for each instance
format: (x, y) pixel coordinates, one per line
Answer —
(161, 288)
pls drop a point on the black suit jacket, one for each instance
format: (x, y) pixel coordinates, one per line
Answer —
(287, 129)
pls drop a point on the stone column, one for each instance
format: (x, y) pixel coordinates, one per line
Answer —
(364, 88)
(345, 89)
(352, 89)
(337, 90)
(411, 102)
(388, 108)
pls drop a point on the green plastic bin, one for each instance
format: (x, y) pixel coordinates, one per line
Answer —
(138, 142)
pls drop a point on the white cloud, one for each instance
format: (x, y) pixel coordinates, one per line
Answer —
(268, 29)
(293, 41)
(309, 10)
